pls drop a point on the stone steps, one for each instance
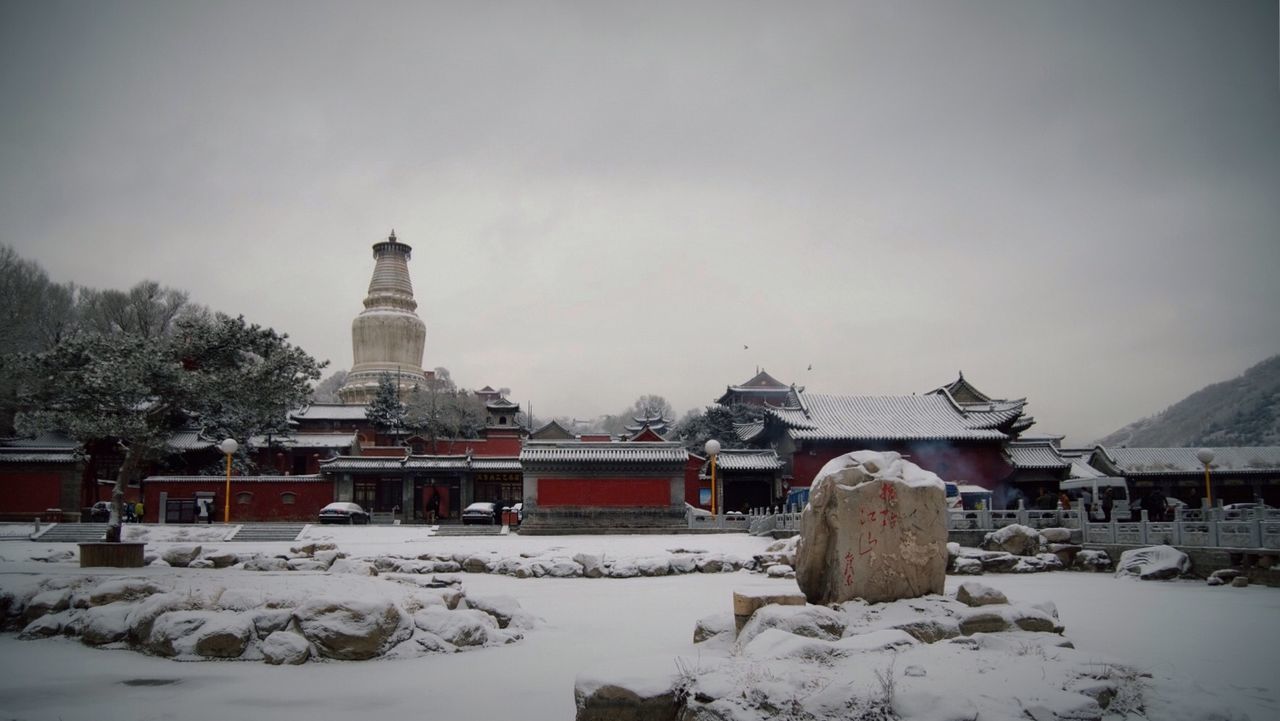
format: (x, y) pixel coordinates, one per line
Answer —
(268, 532)
(73, 533)
(458, 529)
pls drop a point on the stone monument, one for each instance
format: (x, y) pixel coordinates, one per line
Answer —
(387, 337)
(875, 529)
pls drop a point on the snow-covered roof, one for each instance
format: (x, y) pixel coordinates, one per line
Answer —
(188, 440)
(495, 464)
(45, 448)
(1034, 455)
(37, 456)
(615, 452)
(747, 431)
(330, 412)
(317, 440)
(1164, 461)
(237, 479)
(748, 459)
(927, 417)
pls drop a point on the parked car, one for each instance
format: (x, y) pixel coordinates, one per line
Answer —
(341, 512)
(480, 512)
(100, 512)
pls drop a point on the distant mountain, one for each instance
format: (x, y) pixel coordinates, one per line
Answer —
(1244, 411)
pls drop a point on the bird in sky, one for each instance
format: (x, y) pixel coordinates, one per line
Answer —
(810, 366)
(744, 346)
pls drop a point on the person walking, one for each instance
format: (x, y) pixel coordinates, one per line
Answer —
(1107, 503)
(137, 510)
(1155, 505)
(433, 506)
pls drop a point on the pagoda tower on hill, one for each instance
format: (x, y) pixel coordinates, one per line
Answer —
(387, 337)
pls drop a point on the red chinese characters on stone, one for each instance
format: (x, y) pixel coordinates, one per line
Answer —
(847, 569)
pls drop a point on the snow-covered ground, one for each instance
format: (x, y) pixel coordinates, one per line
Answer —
(1222, 643)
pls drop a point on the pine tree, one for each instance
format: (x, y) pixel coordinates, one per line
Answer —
(385, 411)
(220, 375)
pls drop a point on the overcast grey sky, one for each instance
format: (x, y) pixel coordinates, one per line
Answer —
(1075, 202)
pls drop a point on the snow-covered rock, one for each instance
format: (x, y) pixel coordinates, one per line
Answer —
(358, 568)
(971, 593)
(1056, 535)
(854, 539)
(266, 563)
(352, 629)
(285, 647)
(1153, 563)
(51, 601)
(105, 624)
(504, 609)
(809, 621)
(781, 570)
(1091, 560)
(644, 689)
(967, 567)
(709, 627)
(180, 556)
(1015, 538)
(463, 627)
(123, 589)
(592, 564)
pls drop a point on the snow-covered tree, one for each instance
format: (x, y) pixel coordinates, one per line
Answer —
(718, 422)
(220, 375)
(326, 391)
(442, 410)
(385, 411)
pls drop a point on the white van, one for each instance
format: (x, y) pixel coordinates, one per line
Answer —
(1096, 487)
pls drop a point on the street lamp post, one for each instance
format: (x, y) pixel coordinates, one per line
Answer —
(1205, 456)
(713, 450)
(229, 447)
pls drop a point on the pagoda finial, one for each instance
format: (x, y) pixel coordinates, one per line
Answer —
(392, 237)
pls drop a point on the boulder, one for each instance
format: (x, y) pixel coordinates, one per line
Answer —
(817, 622)
(349, 629)
(708, 627)
(975, 594)
(172, 633)
(124, 589)
(1153, 563)
(1090, 560)
(654, 566)
(144, 614)
(641, 690)
(355, 568)
(306, 564)
(1222, 575)
(592, 565)
(284, 647)
(45, 602)
(180, 556)
(998, 562)
(504, 609)
(745, 604)
(1240, 581)
(981, 620)
(464, 627)
(967, 567)
(266, 563)
(875, 528)
(105, 624)
(1056, 535)
(684, 563)
(781, 570)
(52, 624)
(201, 563)
(1015, 538)
(476, 564)
(226, 635)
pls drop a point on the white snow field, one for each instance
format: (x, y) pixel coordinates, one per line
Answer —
(1213, 649)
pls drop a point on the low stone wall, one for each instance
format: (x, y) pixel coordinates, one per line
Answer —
(560, 521)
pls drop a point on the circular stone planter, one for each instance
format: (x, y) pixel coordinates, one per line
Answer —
(115, 555)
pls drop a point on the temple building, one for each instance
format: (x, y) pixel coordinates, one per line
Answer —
(387, 337)
(955, 431)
